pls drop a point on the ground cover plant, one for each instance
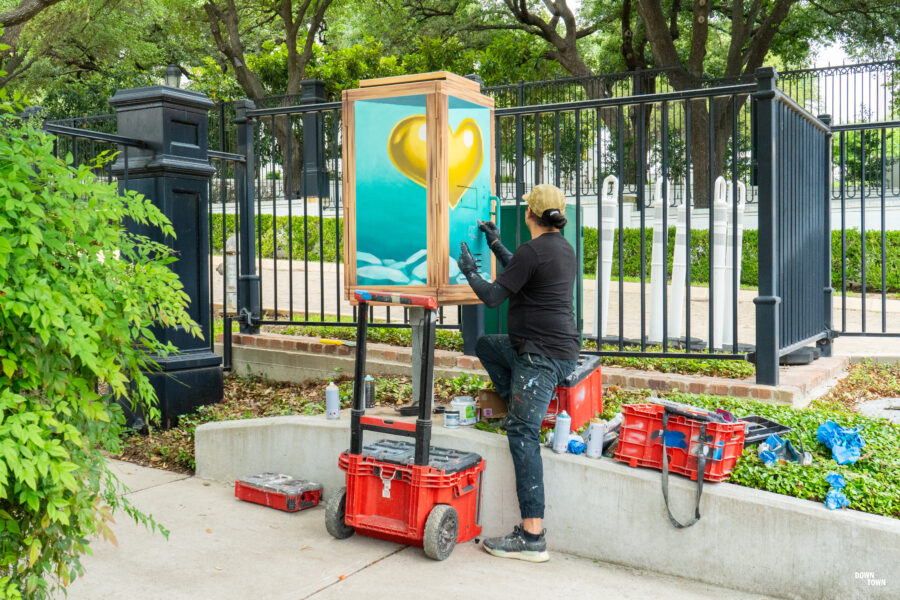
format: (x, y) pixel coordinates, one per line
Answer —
(873, 483)
(78, 297)
(254, 396)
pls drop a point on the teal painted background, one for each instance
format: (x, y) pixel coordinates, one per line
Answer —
(391, 216)
(391, 213)
(475, 204)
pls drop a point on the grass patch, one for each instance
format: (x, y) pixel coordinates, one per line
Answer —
(711, 367)
(445, 339)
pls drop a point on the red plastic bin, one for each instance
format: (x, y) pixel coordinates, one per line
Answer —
(640, 442)
(392, 501)
(580, 394)
(278, 491)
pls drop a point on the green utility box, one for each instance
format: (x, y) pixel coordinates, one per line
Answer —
(495, 318)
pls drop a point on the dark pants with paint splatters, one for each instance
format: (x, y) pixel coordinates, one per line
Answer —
(526, 383)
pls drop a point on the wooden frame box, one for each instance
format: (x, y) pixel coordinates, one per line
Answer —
(418, 172)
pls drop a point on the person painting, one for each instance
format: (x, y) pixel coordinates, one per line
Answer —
(540, 351)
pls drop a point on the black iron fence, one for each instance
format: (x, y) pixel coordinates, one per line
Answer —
(794, 305)
(683, 165)
(677, 160)
(863, 92)
(865, 159)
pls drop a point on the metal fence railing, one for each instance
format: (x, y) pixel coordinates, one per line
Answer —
(855, 93)
(645, 147)
(683, 165)
(793, 308)
(865, 159)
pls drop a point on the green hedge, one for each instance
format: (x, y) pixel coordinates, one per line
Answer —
(333, 242)
(873, 260)
(750, 257)
(699, 254)
(632, 264)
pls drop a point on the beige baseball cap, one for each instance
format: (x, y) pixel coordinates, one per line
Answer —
(544, 197)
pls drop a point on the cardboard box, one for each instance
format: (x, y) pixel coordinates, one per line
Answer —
(490, 405)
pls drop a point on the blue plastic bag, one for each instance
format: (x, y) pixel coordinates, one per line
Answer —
(576, 447)
(774, 442)
(835, 498)
(768, 457)
(836, 480)
(845, 442)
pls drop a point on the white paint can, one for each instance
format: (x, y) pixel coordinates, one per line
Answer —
(465, 405)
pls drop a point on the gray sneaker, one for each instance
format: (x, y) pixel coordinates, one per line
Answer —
(515, 545)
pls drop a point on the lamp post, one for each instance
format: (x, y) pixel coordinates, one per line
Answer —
(173, 76)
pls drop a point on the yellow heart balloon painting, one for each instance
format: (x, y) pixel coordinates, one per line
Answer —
(407, 150)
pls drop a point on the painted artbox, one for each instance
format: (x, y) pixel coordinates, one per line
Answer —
(417, 176)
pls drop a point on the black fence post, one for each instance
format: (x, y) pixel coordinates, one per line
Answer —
(315, 173)
(174, 172)
(827, 291)
(249, 311)
(767, 325)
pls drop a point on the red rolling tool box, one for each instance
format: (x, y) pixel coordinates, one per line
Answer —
(410, 493)
(580, 394)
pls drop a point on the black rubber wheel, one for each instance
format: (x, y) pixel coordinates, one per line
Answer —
(334, 515)
(441, 529)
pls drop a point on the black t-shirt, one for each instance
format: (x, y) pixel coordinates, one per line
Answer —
(541, 317)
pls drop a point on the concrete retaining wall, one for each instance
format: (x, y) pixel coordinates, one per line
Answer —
(747, 539)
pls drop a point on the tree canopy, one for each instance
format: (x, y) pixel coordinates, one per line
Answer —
(69, 55)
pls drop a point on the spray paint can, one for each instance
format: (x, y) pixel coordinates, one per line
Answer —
(332, 402)
(596, 433)
(561, 432)
(370, 391)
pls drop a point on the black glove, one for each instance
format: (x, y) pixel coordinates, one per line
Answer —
(466, 261)
(491, 233)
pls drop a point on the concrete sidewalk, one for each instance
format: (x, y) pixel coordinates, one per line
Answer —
(222, 548)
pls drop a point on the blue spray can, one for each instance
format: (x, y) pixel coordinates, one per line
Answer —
(561, 432)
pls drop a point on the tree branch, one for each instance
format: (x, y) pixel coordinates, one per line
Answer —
(762, 38)
(739, 29)
(24, 12)
(673, 19)
(232, 48)
(699, 38)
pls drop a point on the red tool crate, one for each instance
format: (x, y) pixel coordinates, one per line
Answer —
(580, 394)
(640, 442)
(278, 491)
(409, 493)
(390, 498)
